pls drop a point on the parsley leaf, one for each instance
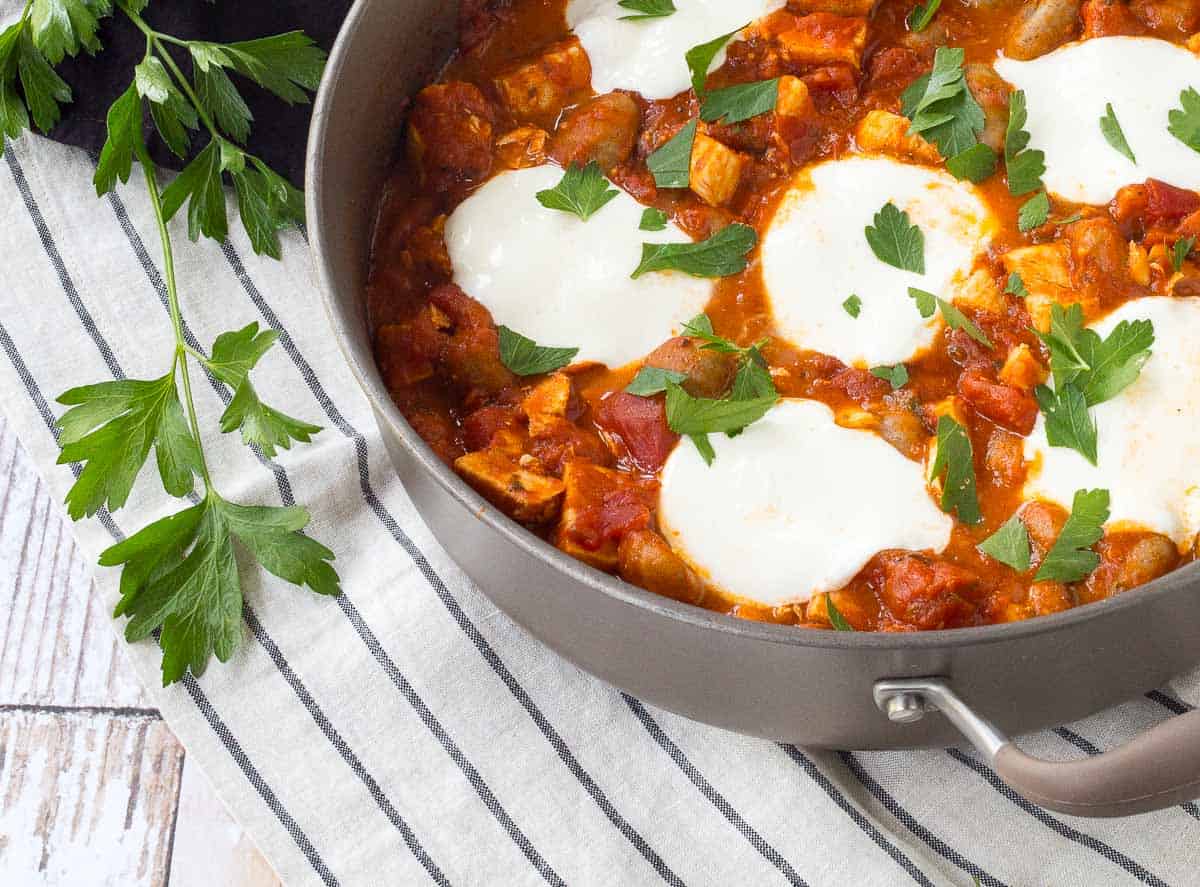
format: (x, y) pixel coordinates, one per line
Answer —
(124, 135)
(753, 379)
(853, 306)
(111, 427)
(1180, 251)
(896, 241)
(896, 375)
(1009, 545)
(583, 191)
(1184, 122)
(653, 220)
(654, 380)
(199, 185)
(1034, 212)
(180, 575)
(288, 64)
(721, 255)
(1025, 166)
(671, 164)
(1071, 558)
(267, 203)
(1016, 286)
(1062, 339)
(646, 9)
(941, 107)
(956, 320)
(1114, 135)
(702, 415)
(220, 98)
(43, 88)
(735, 104)
(836, 619)
(1068, 422)
(926, 302)
(64, 27)
(700, 58)
(955, 459)
(527, 358)
(1100, 369)
(922, 14)
(975, 164)
(234, 354)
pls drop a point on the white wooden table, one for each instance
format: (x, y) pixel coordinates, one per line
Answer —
(94, 787)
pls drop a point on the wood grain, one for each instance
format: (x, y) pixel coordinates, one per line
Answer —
(94, 787)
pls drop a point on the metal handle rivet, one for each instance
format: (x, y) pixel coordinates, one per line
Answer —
(905, 708)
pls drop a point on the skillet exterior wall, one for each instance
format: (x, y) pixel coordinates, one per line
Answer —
(759, 679)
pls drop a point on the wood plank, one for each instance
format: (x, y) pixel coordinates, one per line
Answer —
(86, 798)
(56, 647)
(93, 786)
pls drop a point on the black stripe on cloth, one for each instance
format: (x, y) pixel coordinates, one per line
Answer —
(346, 605)
(1188, 807)
(218, 726)
(714, 797)
(435, 581)
(856, 815)
(910, 822)
(1057, 825)
(113, 364)
(1169, 702)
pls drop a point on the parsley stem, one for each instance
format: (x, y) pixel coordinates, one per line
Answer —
(181, 347)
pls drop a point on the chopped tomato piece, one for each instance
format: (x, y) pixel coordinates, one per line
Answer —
(925, 593)
(1006, 405)
(641, 424)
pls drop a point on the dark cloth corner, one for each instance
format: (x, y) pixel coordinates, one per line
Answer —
(279, 131)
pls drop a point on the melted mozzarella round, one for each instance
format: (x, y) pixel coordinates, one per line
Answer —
(648, 56)
(564, 282)
(1149, 434)
(795, 505)
(1067, 92)
(815, 254)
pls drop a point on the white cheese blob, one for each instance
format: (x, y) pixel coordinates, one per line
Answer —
(1148, 435)
(648, 56)
(795, 505)
(1067, 92)
(564, 282)
(815, 255)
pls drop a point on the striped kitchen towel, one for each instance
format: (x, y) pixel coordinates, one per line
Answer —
(407, 731)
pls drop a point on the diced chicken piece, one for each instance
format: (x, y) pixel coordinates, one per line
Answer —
(450, 135)
(537, 91)
(523, 495)
(887, 133)
(1193, 43)
(522, 147)
(837, 7)
(797, 128)
(980, 292)
(992, 92)
(709, 372)
(600, 506)
(1005, 457)
(548, 401)
(1139, 264)
(1041, 26)
(645, 559)
(1046, 272)
(716, 171)
(793, 99)
(1099, 256)
(1022, 370)
(821, 38)
(603, 129)
(904, 430)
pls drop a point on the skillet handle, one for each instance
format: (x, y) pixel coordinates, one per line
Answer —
(1159, 769)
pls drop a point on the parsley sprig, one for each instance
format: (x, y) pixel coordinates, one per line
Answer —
(1087, 371)
(582, 191)
(942, 109)
(955, 464)
(896, 241)
(646, 9)
(1009, 545)
(1111, 129)
(1071, 558)
(179, 574)
(1184, 121)
(751, 396)
(721, 255)
(1025, 166)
